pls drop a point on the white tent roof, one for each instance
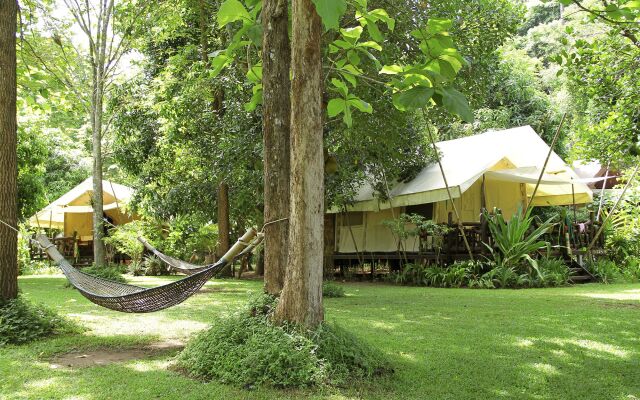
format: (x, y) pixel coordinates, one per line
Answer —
(518, 153)
(53, 214)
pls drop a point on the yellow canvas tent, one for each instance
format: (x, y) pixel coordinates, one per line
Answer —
(494, 169)
(72, 213)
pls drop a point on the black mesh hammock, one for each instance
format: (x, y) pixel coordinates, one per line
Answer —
(136, 299)
(183, 266)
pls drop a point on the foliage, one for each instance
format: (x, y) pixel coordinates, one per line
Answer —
(247, 349)
(553, 272)
(125, 240)
(331, 289)
(22, 322)
(153, 266)
(347, 358)
(109, 272)
(516, 240)
(136, 269)
(607, 271)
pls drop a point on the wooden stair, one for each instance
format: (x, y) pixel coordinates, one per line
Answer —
(580, 275)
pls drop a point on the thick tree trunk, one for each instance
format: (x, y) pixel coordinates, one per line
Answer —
(276, 109)
(301, 298)
(98, 210)
(8, 156)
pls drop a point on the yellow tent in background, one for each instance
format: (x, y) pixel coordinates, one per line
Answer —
(494, 169)
(73, 213)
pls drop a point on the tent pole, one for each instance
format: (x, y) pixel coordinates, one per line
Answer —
(604, 185)
(573, 199)
(544, 166)
(446, 184)
(615, 206)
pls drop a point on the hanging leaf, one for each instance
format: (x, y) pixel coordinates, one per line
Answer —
(231, 11)
(456, 103)
(330, 11)
(413, 98)
(335, 107)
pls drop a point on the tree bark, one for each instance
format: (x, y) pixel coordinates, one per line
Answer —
(301, 298)
(223, 219)
(98, 205)
(276, 110)
(8, 148)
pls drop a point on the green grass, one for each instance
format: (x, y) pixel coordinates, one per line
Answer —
(580, 342)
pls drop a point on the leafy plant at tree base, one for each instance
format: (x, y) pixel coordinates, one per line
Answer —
(246, 349)
(331, 289)
(22, 322)
(516, 241)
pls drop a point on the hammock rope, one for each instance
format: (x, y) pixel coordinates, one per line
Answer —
(136, 299)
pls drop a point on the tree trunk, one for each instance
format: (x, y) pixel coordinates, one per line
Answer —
(276, 136)
(8, 156)
(98, 211)
(301, 298)
(223, 219)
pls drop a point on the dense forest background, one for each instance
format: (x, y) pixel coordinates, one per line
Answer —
(175, 128)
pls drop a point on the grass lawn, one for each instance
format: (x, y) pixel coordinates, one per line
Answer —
(580, 342)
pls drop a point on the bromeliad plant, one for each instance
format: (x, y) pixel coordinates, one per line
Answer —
(515, 241)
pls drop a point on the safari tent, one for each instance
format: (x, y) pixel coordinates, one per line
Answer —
(72, 213)
(494, 169)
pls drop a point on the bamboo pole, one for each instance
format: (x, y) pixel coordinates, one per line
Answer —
(544, 166)
(604, 185)
(615, 206)
(446, 184)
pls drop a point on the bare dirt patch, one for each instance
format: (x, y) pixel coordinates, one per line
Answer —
(106, 356)
(621, 305)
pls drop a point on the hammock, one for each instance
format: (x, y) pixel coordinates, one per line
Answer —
(136, 299)
(185, 267)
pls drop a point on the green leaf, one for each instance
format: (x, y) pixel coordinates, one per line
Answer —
(438, 26)
(360, 104)
(371, 44)
(414, 98)
(340, 86)
(352, 34)
(456, 103)
(391, 69)
(330, 11)
(231, 11)
(633, 4)
(335, 107)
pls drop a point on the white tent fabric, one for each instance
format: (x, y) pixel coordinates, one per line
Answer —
(517, 154)
(52, 216)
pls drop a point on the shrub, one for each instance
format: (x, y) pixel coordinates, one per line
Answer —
(136, 268)
(247, 349)
(346, 357)
(551, 272)
(331, 289)
(22, 322)
(153, 266)
(607, 271)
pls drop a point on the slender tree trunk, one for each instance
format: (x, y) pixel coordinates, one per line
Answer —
(223, 219)
(301, 298)
(276, 132)
(98, 211)
(8, 156)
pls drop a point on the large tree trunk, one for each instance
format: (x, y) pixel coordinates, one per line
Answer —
(301, 299)
(276, 127)
(98, 211)
(8, 156)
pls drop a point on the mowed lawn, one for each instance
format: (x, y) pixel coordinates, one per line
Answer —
(580, 342)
